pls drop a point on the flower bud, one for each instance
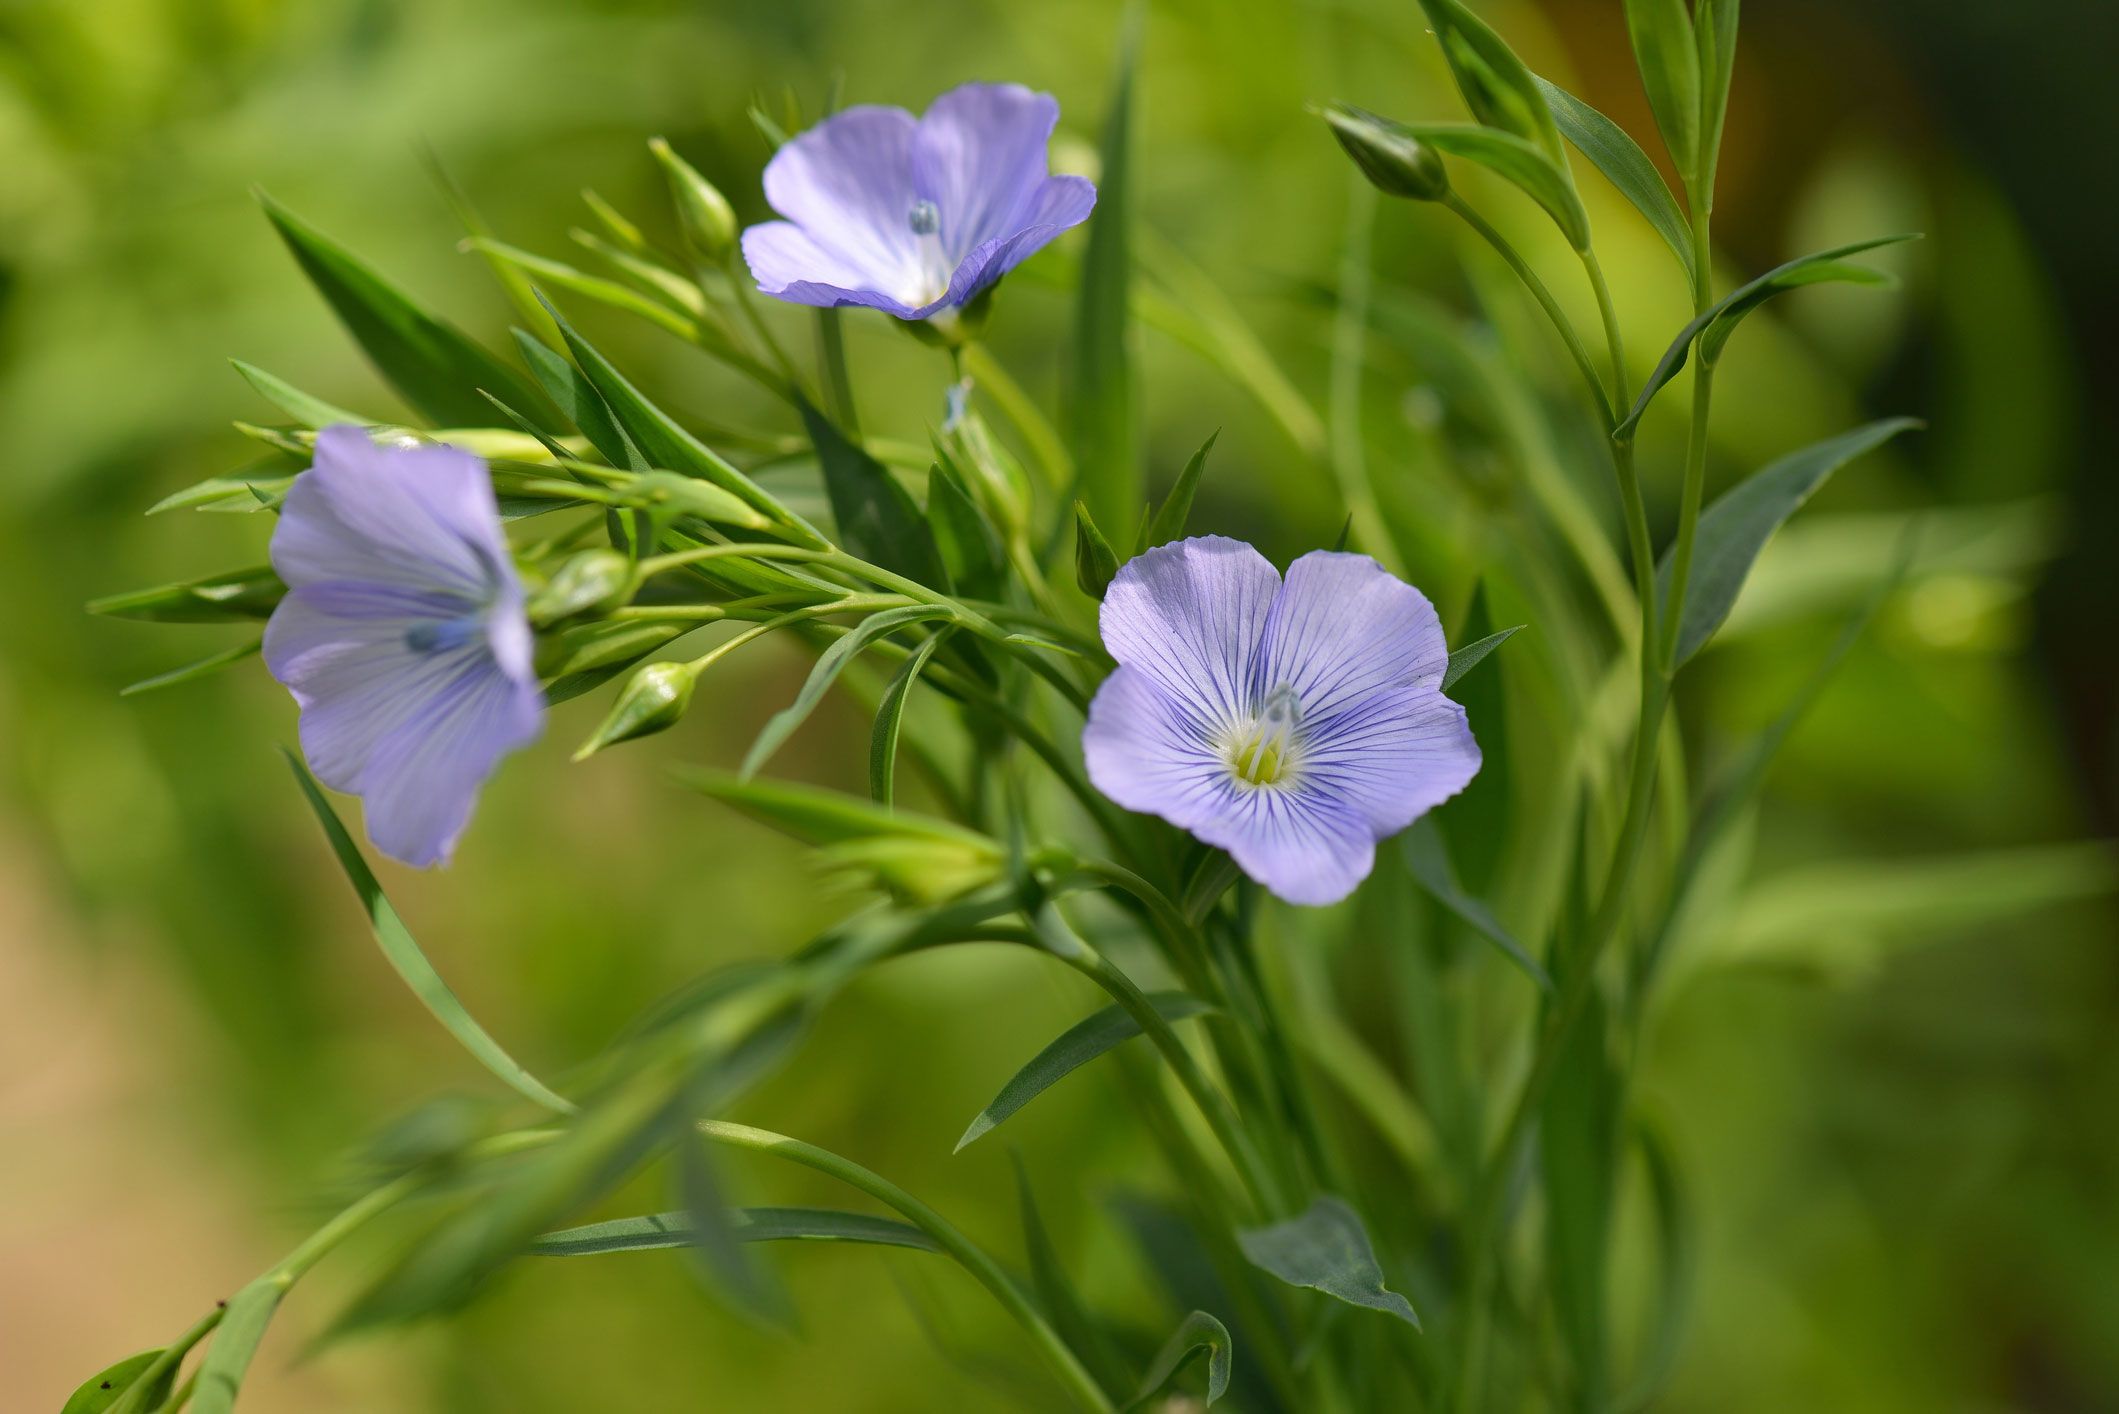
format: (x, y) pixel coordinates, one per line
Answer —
(589, 582)
(1095, 562)
(653, 700)
(708, 221)
(1396, 162)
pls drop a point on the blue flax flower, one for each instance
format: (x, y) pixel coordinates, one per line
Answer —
(1292, 724)
(914, 216)
(402, 636)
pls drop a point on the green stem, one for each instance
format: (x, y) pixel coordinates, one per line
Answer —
(739, 282)
(1022, 413)
(1590, 377)
(983, 1268)
(1695, 446)
(1614, 345)
(1349, 358)
(838, 387)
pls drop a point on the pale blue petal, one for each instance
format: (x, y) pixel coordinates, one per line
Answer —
(979, 156)
(1190, 616)
(788, 264)
(847, 183)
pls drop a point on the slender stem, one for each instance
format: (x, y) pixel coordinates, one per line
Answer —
(983, 1268)
(1695, 446)
(1590, 377)
(1349, 359)
(838, 387)
(1614, 345)
(1022, 412)
(739, 283)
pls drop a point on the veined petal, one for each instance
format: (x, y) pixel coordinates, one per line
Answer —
(425, 774)
(1392, 758)
(1067, 200)
(847, 182)
(1190, 616)
(1344, 629)
(416, 518)
(979, 156)
(789, 265)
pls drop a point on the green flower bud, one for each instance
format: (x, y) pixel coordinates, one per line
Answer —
(653, 700)
(1095, 562)
(1395, 161)
(708, 221)
(590, 582)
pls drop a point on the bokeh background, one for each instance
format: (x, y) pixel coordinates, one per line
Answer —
(1895, 1091)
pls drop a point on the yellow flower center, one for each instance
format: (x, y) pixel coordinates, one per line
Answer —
(1263, 752)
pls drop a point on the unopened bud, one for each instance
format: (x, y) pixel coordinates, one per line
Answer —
(708, 221)
(653, 700)
(1095, 562)
(1396, 162)
(588, 582)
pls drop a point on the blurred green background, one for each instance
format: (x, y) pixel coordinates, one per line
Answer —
(1892, 1081)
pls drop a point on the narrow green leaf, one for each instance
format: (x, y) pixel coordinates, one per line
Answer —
(1523, 164)
(221, 598)
(520, 292)
(1169, 521)
(876, 517)
(579, 401)
(822, 817)
(1198, 1334)
(1427, 855)
(1736, 527)
(1722, 319)
(411, 964)
(221, 1373)
(1714, 22)
(1103, 420)
(1578, 1144)
(310, 412)
(1612, 151)
(743, 1280)
(661, 440)
(1076, 1047)
(1496, 85)
(829, 665)
(563, 276)
(890, 721)
(1328, 1249)
(969, 547)
(434, 366)
(245, 493)
(190, 672)
(1665, 50)
(1471, 655)
(1095, 562)
(106, 1387)
(661, 1231)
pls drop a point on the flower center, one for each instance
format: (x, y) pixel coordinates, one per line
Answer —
(1263, 753)
(443, 635)
(931, 281)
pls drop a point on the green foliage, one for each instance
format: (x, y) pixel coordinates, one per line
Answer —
(1075, 1047)
(1326, 1247)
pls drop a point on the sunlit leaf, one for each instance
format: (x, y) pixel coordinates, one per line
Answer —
(1471, 655)
(661, 1231)
(404, 954)
(830, 663)
(1669, 60)
(1614, 153)
(890, 721)
(106, 1387)
(1328, 1249)
(1496, 86)
(309, 411)
(436, 368)
(1522, 163)
(1736, 527)
(1076, 1047)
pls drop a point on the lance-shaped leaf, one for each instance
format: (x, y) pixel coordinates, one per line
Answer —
(661, 439)
(1522, 163)
(1614, 153)
(1076, 1047)
(311, 412)
(656, 1232)
(1328, 1249)
(227, 1360)
(1102, 419)
(580, 402)
(1677, 1266)
(190, 672)
(403, 953)
(559, 274)
(1736, 527)
(1427, 855)
(438, 369)
(1169, 520)
(829, 665)
(1095, 562)
(1062, 1304)
(106, 1387)
(1471, 655)
(1714, 23)
(221, 598)
(876, 516)
(1713, 328)
(1496, 85)
(890, 721)
(1198, 1334)
(1668, 56)
(970, 550)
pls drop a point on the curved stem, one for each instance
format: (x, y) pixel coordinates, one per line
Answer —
(983, 1268)
(1349, 348)
(1695, 447)
(1614, 345)
(1590, 377)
